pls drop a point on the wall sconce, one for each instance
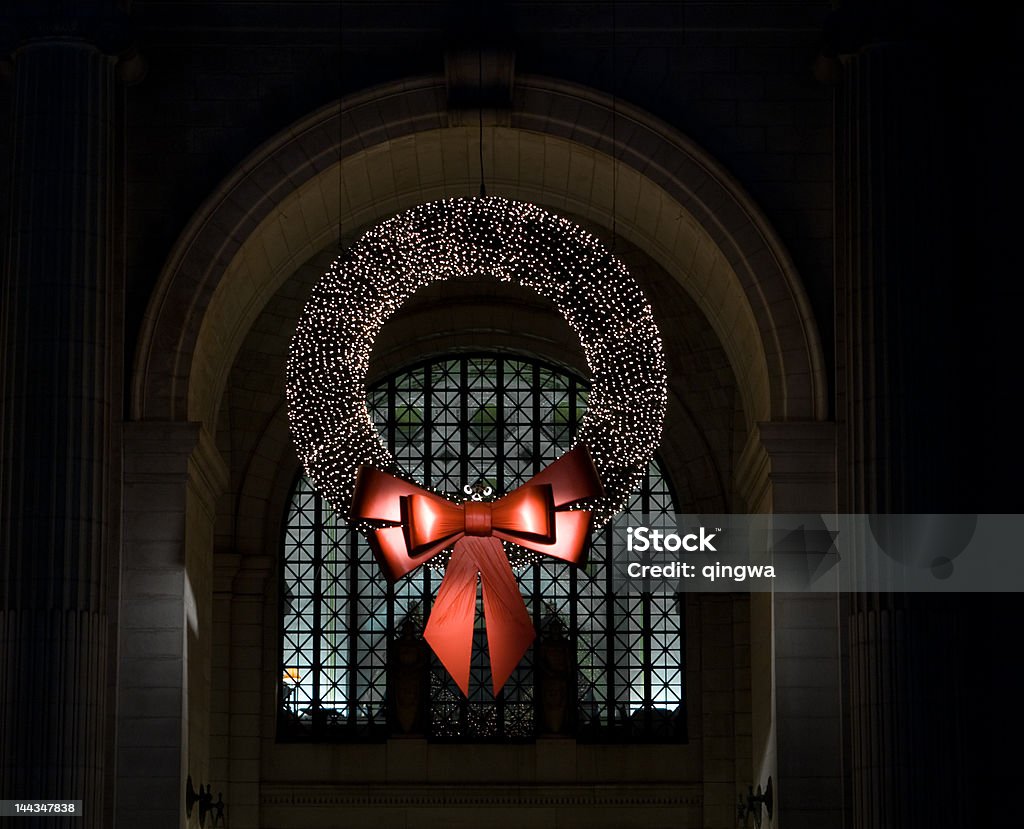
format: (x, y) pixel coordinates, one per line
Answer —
(191, 796)
(206, 804)
(752, 803)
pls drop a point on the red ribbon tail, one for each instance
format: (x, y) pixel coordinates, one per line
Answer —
(449, 630)
(509, 627)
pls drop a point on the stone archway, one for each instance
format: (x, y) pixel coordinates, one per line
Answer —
(286, 202)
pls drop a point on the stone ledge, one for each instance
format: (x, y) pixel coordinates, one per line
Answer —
(403, 795)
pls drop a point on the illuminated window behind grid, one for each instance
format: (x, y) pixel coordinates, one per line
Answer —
(449, 422)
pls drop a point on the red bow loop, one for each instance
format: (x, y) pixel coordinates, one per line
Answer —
(423, 524)
(525, 515)
(431, 523)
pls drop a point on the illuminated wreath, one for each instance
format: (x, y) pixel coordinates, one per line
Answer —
(458, 238)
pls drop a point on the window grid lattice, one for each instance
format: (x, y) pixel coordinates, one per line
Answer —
(450, 422)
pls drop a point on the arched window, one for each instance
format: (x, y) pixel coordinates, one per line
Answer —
(451, 421)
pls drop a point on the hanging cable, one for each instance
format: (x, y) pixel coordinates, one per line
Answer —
(480, 114)
(341, 93)
(615, 118)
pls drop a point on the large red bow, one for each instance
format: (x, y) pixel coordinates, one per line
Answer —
(423, 524)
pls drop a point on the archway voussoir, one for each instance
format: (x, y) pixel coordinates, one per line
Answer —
(689, 175)
(320, 145)
(405, 172)
(556, 166)
(380, 174)
(649, 207)
(427, 109)
(788, 323)
(393, 110)
(245, 197)
(580, 173)
(367, 122)
(273, 175)
(591, 127)
(428, 159)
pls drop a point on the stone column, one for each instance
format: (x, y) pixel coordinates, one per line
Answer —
(60, 371)
(248, 720)
(225, 568)
(173, 475)
(795, 637)
(894, 313)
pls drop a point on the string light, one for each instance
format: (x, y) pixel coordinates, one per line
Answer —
(464, 238)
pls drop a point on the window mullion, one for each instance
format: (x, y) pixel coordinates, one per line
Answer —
(574, 594)
(318, 526)
(647, 636)
(499, 426)
(351, 675)
(392, 424)
(464, 422)
(428, 427)
(428, 480)
(536, 419)
(499, 476)
(535, 429)
(646, 633)
(609, 621)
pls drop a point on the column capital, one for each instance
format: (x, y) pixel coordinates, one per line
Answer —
(800, 437)
(158, 450)
(789, 466)
(103, 25)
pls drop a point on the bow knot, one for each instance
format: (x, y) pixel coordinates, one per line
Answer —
(421, 525)
(478, 519)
